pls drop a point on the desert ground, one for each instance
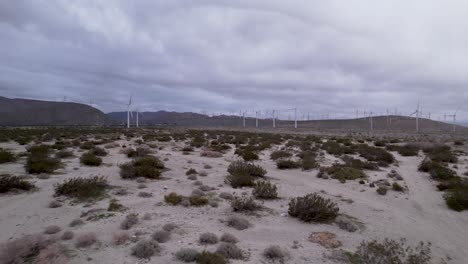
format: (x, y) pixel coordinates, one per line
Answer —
(416, 213)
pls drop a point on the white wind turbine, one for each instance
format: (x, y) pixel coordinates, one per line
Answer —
(128, 111)
(454, 116)
(417, 117)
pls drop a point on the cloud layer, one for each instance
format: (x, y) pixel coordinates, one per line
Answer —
(223, 56)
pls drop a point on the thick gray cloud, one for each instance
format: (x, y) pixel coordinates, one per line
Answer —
(223, 56)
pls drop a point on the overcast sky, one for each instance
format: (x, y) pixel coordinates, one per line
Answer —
(224, 56)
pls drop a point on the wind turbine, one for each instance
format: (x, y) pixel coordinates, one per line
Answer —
(417, 117)
(454, 118)
(256, 118)
(295, 117)
(274, 119)
(137, 118)
(128, 111)
(371, 122)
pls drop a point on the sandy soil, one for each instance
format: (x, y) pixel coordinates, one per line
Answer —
(418, 215)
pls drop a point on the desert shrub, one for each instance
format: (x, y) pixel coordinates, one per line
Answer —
(145, 194)
(397, 187)
(39, 161)
(208, 238)
(381, 156)
(237, 222)
(405, 150)
(173, 198)
(129, 221)
(229, 238)
(244, 203)
(87, 145)
(6, 156)
(67, 235)
(313, 208)
(191, 171)
(53, 229)
(206, 257)
(308, 163)
(85, 240)
(169, 227)
(90, 159)
(359, 164)
(240, 180)
(342, 172)
(333, 148)
(382, 190)
(115, 206)
(196, 200)
(9, 183)
(211, 154)
(265, 190)
(55, 204)
(145, 249)
(246, 168)
(441, 154)
(226, 196)
(198, 192)
(76, 222)
(284, 164)
(120, 237)
(280, 154)
(437, 170)
(82, 188)
(162, 236)
(246, 154)
(390, 251)
(275, 253)
(97, 151)
(24, 249)
(148, 167)
(380, 143)
(138, 152)
(186, 255)
(230, 251)
(457, 198)
(63, 154)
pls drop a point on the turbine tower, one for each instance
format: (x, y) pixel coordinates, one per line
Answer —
(417, 117)
(295, 117)
(128, 111)
(454, 116)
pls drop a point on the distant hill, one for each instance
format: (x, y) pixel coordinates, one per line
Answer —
(25, 112)
(390, 123)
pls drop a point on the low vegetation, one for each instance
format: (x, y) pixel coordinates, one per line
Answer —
(390, 251)
(313, 208)
(6, 156)
(90, 159)
(82, 188)
(40, 161)
(10, 183)
(284, 164)
(265, 190)
(147, 167)
(244, 203)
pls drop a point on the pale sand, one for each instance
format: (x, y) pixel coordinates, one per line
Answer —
(418, 215)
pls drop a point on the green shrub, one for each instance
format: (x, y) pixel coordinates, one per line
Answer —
(380, 143)
(246, 168)
(457, 198)
(308, 163)
(63, 154)
(6, 156)
(283, 164)
(39, 163)
(97, 151)
(389, 252)
(342, 172)
(148, 167)
(244, 203)
(196, 200)
(280, 154)
(397, 187)
(437, 170)
(206, 257)
(115, 206)
(82, 188)
(89, 159)
(334, 148)
(313, 208)
(265, 190)
(9, 183)
(405, 150)
(173, 198)
(87, 145)
(240, 180)
(382, 190)
(381, 156)
(441, 154)
(246, 154)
